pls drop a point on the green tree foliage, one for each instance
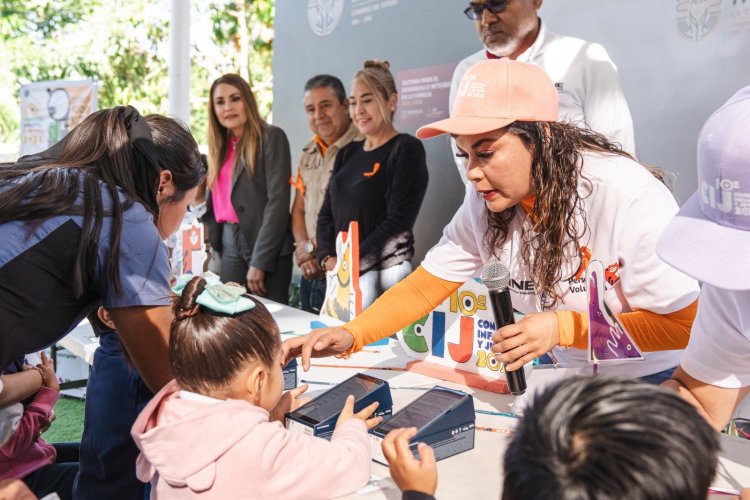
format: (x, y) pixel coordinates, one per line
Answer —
(20, 18)
(123, 45)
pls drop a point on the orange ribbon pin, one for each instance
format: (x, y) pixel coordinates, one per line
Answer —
(374, 170)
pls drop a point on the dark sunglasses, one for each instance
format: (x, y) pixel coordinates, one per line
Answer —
(474, 11)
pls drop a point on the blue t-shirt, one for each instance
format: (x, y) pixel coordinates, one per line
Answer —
(38, 305)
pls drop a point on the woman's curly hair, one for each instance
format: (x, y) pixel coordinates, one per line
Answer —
(557, 156)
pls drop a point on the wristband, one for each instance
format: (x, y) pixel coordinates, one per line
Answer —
(324, 259)
(41, 374)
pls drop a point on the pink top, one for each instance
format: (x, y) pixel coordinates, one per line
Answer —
(221, 194)
(25, 451)
(193, 449)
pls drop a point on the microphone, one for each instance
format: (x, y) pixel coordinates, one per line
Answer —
(496, 278)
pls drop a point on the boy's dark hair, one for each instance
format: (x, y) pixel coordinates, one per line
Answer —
(208, 348)
(331, 81)
(610, 438)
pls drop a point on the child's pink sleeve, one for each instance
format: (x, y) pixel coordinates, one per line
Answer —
(299, 466)
(35, 416)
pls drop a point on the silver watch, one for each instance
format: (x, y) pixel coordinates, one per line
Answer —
(309, 247)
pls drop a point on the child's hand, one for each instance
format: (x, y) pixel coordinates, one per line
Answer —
(409, 473)
(289, 402)
(348, 413)
(48, 367)
(52, 417)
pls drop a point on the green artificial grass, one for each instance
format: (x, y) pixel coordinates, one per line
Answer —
(68, 426)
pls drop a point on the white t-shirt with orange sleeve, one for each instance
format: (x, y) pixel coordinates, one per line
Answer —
(626, 210)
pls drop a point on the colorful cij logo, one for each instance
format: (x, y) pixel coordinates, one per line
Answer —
(428, 334)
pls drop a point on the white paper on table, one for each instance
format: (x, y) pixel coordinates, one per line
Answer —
(376, 483)
(734, 464)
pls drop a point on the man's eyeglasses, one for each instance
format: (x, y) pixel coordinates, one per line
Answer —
(474, 10)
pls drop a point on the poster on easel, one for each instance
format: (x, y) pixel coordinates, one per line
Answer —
(343, 298)
(188, 248)
(49, 110)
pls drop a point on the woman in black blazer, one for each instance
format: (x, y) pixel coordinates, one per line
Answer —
(249, 165)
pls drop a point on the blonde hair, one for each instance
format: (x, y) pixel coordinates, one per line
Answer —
(377, 77)
(218, 135)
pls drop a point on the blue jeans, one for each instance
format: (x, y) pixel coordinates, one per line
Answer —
(659, 377)
(57, 477)
(115, 395)
(373, 283)
(311, 294)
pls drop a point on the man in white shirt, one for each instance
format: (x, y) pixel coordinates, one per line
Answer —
(586, 79)
(709, 239)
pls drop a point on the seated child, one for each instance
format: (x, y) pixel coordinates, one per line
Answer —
(589, 438)
(216, 432)
(45, 468)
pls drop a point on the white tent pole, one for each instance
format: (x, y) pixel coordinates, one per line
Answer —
(179, 60)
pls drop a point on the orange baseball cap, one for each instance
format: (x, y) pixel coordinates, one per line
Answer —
(495, 93)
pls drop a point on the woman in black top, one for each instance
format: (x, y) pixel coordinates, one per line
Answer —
(379, 182)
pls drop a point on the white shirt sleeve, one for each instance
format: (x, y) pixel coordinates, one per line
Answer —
(719, 349)
(10, 416)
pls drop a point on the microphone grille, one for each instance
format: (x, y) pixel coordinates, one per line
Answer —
(495, 276)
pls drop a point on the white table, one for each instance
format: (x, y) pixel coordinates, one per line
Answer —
(474, 474)
(81, 342)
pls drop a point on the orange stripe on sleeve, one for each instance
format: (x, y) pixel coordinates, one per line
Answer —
(410, 299)
(651, 331)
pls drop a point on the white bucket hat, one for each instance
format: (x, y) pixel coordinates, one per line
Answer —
(709, 238)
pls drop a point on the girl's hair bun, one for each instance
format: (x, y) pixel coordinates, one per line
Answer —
(186, 306)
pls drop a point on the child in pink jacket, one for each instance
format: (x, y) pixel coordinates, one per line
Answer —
(216, 432)
(24, 454)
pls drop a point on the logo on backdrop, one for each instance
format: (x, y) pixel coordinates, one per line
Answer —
(324, 15)
(697, 18)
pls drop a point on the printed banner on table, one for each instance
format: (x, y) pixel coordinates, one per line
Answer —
(457, 334)
(49, 110)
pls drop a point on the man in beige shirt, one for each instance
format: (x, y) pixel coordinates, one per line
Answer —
(327, 110)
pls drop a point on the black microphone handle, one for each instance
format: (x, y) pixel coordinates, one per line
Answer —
(502, 307)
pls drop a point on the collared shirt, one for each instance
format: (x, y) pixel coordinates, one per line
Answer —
(315, 167)
(587, 83)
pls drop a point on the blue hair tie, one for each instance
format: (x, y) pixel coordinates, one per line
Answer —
(226, 298)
